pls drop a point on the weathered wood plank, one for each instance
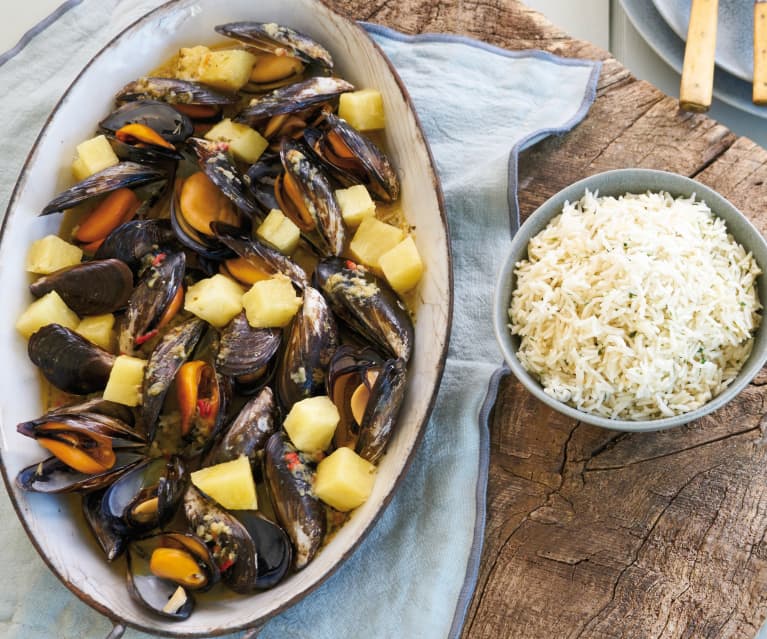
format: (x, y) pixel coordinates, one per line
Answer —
(593, 533)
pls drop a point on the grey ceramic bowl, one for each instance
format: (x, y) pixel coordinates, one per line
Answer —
(617, 183)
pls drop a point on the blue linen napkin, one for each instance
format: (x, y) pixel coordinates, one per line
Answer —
(414, 574)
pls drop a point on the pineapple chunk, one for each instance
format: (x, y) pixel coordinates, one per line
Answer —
(363, 109)
(93, 155)
(51, 253)
(228, 69)
(125, 380)
(98, 329)
(402, 266)
(280, 232)
(374, 238)
(344, 480)
(229, 483)
(246, 144)
(356, 204)
(49, 309)
(216, 299)
(311, 422)
(271, 303)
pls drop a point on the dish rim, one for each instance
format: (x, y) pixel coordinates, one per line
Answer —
(541, 217)
(441, 360)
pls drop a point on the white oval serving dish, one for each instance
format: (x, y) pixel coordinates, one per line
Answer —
(54, 524)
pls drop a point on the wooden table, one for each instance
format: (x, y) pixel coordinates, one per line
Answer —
(593, 533)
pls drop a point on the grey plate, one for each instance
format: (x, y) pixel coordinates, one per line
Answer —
(735, 33)
(667, 44)
(617, 183)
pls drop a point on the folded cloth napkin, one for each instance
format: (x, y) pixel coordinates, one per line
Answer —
(414, 574)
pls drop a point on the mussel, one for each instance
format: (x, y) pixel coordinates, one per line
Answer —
(245, 353)
(367, 304)
(132, 241)
(110, 541)
(89, 288)
(172, 126)
(310, 344)
(173, 91)
(68, 361)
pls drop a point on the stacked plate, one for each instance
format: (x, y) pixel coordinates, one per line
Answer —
(663, 24)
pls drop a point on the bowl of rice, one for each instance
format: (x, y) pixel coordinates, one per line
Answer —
(632, 300)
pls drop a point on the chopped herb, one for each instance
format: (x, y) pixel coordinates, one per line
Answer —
(632, 334)
(632, 294)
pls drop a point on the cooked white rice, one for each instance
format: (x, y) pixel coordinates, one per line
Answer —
(636, 307)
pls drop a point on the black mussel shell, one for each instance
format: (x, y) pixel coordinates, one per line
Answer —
(382, 409)
(144, 153)
(234, 551)
(173, 91)
(371, 168)
(68, 361)
(110, 179)
(171, 352)
(215, 161)
(207, 247)
(132, 241)
(150, 299)
(89, 288)
(367, 304)
(260, 179)
(289, 478)
(163, 118)
(146, 497)
(110, 541)
(292, 98)
(158, 593)
(248, 432)
(259, 254)
(271, 37)
(245, 350)
(121, 434)
(53, 476)
(311, 341)
(318, 197)
(98, 405)
(273, 550)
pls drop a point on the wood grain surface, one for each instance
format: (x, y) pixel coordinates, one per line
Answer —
(593, 533)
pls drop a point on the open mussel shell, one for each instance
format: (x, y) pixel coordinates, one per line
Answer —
(115, 177)
(142, 153)
(248, 433)
(367, 304)
(275, 38)
(274, 552)
(173, 91)
(355, 158)
(260, 177)
(234, 549)
(206, 246)
(89, 288)
(184, 564)
(245, 350)
(68, 361)
(214, 159)
(259, 254)
(307, 198)
(159, 116)
(98, 405)
(173, 349)
(289, 478)
(150, 299)
(146, 497)
(110, 541)
(132, 241)
(382, 408)
(53, 476)
(292, 98)
(311, 341)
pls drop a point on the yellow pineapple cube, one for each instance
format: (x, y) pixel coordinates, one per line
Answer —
(344, 480)
(51, 253)
(271, 303)
(356, 204)
(125, 380)
(311, 422)
(372, 239)
(229, 483)
(246, 144)
(215, 299)
(402, 265)
(279, 231)
(363, 109)
(98, 329)
(49, 309)
(93, 155)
